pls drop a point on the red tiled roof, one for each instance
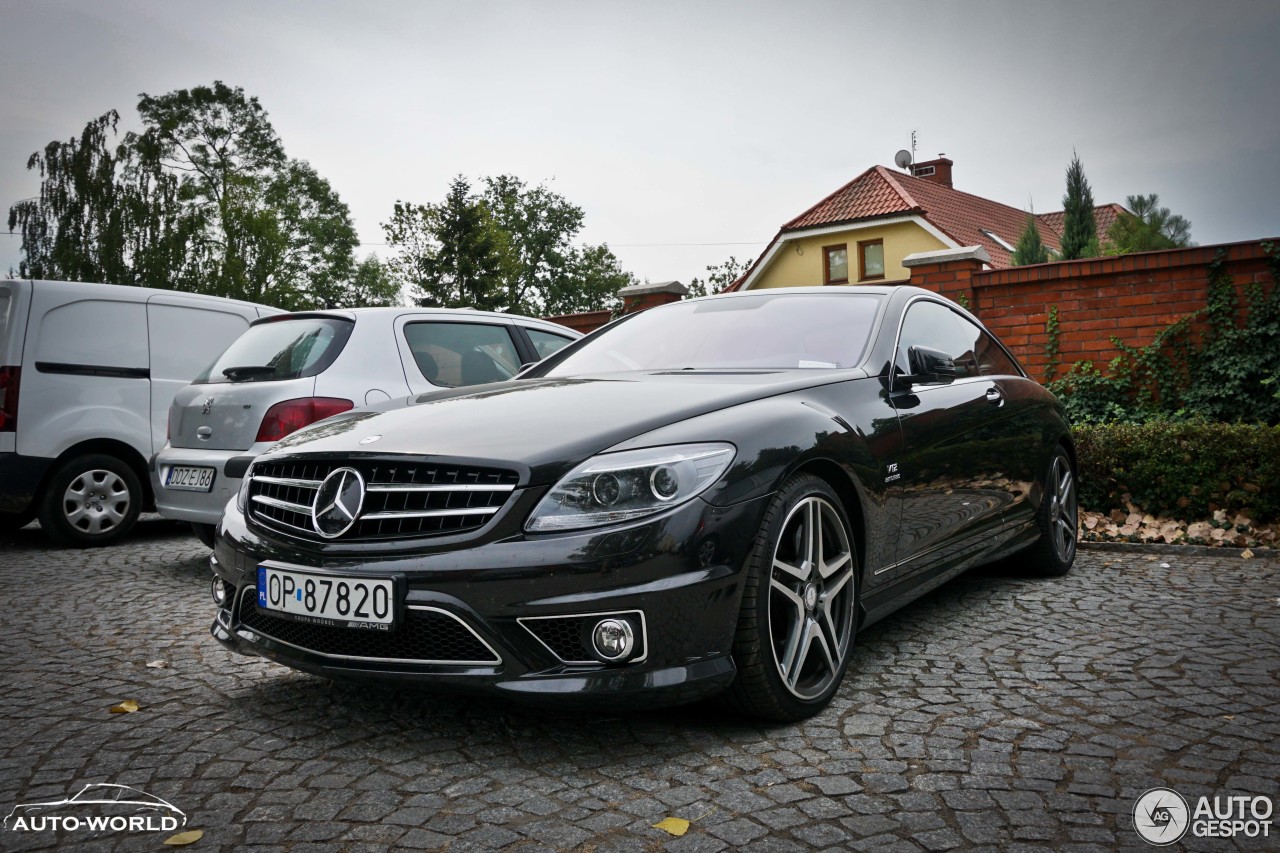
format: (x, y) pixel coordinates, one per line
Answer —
(962, 216)
(1104, 216)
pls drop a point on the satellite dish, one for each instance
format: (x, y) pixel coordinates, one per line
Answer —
(902, 159)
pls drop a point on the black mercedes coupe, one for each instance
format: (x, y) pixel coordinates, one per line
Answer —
(710, 497)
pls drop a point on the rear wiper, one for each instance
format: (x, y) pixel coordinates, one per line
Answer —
(247, 370)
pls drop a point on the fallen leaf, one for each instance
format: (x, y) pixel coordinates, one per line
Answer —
(191, 836)
(1246, 554)
(157, 664)
(1164, 565)
(1228, 716)
(676, 826)
(128, 706)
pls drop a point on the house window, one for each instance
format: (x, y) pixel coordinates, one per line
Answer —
(871, 259)
(835, 264)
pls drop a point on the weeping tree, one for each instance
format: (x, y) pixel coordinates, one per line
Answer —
(202, 199)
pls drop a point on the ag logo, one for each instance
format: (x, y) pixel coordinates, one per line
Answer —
(1161, 816)
(207, 407)
(338, 502)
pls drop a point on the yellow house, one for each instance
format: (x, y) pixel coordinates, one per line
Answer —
(861, 232)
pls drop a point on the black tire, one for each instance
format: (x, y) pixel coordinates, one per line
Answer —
(1058, 518)
(204, 532)
(91, 500)
(799, 606)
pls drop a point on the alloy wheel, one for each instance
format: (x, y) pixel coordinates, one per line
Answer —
(811, 598)
(1062, 509)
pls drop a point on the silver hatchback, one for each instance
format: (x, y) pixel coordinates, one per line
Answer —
(290, 370)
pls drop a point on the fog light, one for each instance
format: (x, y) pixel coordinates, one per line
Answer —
(613, 639)
(219, 591)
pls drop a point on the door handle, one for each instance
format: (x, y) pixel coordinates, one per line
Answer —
(204, 433)
(994, 395)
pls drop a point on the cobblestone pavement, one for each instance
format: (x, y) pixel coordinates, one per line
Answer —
(998, 712)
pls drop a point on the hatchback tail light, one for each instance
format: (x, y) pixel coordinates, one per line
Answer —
(292, 415)
(9, 398)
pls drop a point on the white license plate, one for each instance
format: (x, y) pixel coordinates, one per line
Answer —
(189, 479)
(327, 599)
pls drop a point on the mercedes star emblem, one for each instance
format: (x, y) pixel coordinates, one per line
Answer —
(338, 502)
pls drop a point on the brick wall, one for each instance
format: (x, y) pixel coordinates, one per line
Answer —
(1132, 297)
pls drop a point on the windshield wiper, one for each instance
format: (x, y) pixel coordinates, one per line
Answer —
(247, 370)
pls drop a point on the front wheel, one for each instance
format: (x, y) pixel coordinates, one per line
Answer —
(91, 500)
(799, 606)
(204, 532)
(1058, 518)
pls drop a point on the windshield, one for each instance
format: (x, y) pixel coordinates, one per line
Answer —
(797, 330)
(280, 349)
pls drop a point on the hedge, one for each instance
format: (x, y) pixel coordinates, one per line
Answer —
(1181, 469)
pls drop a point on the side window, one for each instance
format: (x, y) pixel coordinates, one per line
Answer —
(933, 325)
(546, 342)
(457, 354)
(994, 361)
(96, 332)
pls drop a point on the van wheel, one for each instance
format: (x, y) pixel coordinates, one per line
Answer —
(91, 500)
(204, 532)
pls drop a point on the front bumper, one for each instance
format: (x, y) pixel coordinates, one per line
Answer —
(20, 478)
(200, 507)
(677, 578)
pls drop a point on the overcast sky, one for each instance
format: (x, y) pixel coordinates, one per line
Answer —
(689, 131)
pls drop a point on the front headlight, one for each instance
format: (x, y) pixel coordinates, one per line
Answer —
(242, 496)
(615, 487)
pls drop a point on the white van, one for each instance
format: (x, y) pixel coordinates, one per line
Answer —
(87, 373)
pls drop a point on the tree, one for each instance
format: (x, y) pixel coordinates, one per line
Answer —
(1079, 230)
(1030, 248)
(452, 254)
(371, 285)
(515, 240)
(203, 199)
(719, 276)
(1147, 227)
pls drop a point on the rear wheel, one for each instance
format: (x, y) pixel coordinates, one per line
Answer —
(204, 532)
(1057, 517)
(91, 500)
(795, 631)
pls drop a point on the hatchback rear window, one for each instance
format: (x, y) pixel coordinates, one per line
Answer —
(280, 349)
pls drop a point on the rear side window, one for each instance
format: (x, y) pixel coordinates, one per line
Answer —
(930, 324)
(281, 349)
(457, 354)
(94, 333)
(546, 342)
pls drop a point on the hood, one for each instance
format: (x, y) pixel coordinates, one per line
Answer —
(545, 425)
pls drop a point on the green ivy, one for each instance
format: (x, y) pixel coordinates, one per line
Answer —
(1052, 345)
(1225, 368)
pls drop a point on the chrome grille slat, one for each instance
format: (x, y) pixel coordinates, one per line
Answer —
(431, 513)
(279, 504)
(404, 498)
(423, 487)
(287, 481)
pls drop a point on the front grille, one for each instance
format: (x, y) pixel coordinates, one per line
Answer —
(410, 498)
(427, 635)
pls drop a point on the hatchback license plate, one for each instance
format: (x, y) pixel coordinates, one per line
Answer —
(189, 479)
(327, 599)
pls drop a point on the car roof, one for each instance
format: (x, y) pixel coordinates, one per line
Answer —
(827, 290)
(398, 310)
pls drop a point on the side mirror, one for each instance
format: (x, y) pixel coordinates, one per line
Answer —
(929, 367)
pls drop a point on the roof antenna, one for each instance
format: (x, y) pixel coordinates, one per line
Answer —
(904, 158)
